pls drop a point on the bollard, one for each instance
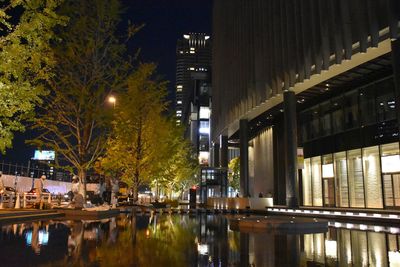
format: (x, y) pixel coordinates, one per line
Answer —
(49, 199)
(17, 202)
(1, 202)
(10, 201)
(41, 202)
(24, 200)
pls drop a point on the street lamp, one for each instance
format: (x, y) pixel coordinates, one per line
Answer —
(112, 100)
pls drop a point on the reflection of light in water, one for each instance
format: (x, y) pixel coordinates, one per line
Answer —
(43, 237)
(202, 249)
(28, 238)
(394, 258)
(331, 248)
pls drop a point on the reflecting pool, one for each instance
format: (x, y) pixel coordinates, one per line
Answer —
(185, 240)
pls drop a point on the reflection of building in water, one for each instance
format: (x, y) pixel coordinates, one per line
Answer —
(371, 246)
(345, 247)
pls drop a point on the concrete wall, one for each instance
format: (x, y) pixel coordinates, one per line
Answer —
(239, 203)
(24, 184)
(261, 164)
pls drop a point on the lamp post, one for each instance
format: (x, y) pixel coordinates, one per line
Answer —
(112, 100)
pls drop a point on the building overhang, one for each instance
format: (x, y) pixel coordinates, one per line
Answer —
(357, 59)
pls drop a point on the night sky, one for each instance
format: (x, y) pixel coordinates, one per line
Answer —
(165, 22)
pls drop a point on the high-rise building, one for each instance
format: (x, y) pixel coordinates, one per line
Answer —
(193, 90)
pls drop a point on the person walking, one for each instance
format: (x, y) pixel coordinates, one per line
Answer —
(39, 190)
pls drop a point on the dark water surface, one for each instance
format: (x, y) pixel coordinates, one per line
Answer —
(183, 240)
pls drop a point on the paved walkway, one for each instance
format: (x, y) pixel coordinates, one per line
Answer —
(8, 216)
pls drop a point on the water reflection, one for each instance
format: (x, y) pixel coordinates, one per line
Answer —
(183, 240)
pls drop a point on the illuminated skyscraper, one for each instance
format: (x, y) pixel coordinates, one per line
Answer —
(193, 90)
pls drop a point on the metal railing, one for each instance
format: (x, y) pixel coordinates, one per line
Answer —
(34, 172)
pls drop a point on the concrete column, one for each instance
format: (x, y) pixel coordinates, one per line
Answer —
(292, 183)
(223, 163)
(396, 76)
(215, 156)
(244, 157)
(244, 249)
(223, 151)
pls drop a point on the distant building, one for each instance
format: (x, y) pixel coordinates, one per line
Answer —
(193, 90)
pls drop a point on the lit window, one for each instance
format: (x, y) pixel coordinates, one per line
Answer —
(179, 112)
(205, 112)
(204, 127)
(191, 68)
(179, 86)
(192, 52)
(179, 102)
(179, 115)
(390, 164)
(203, 157)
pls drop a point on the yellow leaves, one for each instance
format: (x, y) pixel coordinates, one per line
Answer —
(22, 64)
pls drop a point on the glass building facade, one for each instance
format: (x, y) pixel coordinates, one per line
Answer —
(351, 147)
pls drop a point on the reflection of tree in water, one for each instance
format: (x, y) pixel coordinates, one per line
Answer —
(234, 241)
(166, 241)
(171, 242)
(75, 241)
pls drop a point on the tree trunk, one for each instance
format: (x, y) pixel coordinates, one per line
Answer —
(82, 177)
(135, 188)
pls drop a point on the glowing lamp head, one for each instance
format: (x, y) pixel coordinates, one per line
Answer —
(112, 99)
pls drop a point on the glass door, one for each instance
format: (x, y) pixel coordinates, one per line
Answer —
(391, 184)
(329, 192)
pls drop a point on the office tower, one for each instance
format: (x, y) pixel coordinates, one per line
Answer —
(193, 90)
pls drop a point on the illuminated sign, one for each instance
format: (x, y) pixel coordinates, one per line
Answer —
(44, 155)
